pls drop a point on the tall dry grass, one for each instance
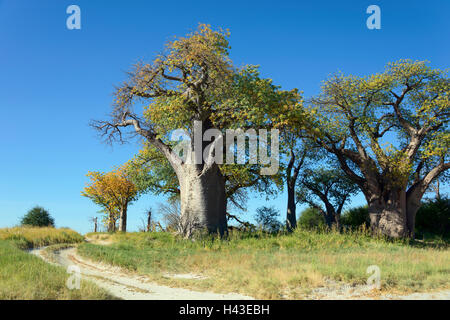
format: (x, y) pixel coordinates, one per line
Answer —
(32, 237)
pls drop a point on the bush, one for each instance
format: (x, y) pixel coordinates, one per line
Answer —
(356, 217)
(433, 217)
(266, 217)
(311, 218)
(38, 217)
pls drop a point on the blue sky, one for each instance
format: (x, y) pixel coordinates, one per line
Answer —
(53, 81)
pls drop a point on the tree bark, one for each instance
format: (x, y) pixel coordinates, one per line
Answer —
(149, 220)
(388, 214)
(291, 218)
(123, 219)
(203, 200)
(111, 224)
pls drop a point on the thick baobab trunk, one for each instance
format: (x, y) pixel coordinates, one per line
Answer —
(291, 219)
(203, 200)
(388, 214)
(123, 219)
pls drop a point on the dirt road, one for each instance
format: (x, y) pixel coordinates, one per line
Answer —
(131, 287)
(128, 287)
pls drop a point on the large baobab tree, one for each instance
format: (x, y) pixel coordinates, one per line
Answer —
(390, 134)
(194, 84)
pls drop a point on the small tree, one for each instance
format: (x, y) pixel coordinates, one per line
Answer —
(266, 217)
(331, 188)
(38, 217)
(114, 191)
(171, 215)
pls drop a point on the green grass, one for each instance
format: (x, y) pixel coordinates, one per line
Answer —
(24, 276)
(276, 266)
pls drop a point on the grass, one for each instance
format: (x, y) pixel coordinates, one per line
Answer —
(26, 277)
(32, 237)
(277, 266)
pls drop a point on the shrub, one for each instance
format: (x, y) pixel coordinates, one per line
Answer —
(38, 217)
(433, 217)
(311, 218)
(356, 217)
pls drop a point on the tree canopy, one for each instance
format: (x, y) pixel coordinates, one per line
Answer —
(113, 191)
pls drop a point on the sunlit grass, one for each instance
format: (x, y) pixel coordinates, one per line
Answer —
(32, 237)
(277, 266)
(24, 276)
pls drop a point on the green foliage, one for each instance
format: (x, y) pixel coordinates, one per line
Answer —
(326, 186)
(195, 79)
(311, 218)
(389, 129)
(266, 217)
(38, 217)
(434, 218)
(356, 217)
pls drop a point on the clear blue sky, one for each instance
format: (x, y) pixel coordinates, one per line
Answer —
(53, 81)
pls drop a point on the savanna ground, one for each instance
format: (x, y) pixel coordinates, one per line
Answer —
(276, 266)
(258, 264)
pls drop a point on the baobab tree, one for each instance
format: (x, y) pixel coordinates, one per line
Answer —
(194, 83)
(390, 134)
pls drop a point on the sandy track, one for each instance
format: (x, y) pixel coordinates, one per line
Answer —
(129, 287)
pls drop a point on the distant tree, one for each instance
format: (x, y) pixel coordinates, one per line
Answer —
(38, 217)
(94, 220)
(311, 218)
(114, 191)
(266, 217)
(326, 190)
(149, 219)
(171, 215)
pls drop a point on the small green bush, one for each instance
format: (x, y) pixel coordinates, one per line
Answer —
(38, 217)
(311, 218)
(433, 218)
(356, 217)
